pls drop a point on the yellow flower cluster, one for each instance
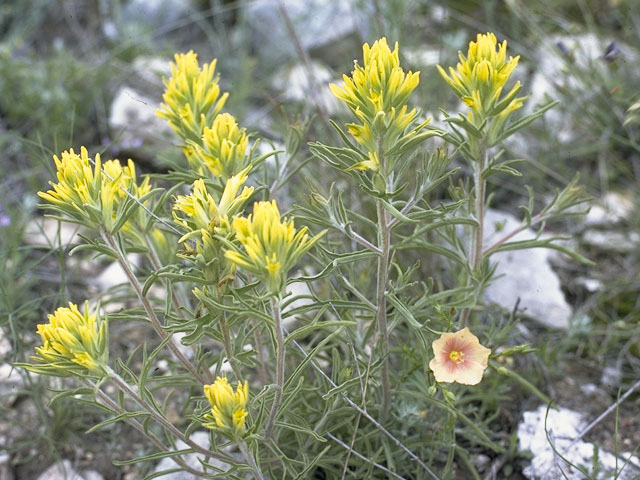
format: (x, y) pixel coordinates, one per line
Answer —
(377, 94)
(271, 246)
(192, 96)
(227, 407)
(479, 78)
(92, 194)
(72, 343)
(222, 149)
(202, 216)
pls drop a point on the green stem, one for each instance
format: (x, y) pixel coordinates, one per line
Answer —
(155, 262)
(153, 318)
(106, 400)
(384, 244)
(226, 337)
(251, 460)
(480, 183)
(280, 353)
(262, 370)
(170, 427)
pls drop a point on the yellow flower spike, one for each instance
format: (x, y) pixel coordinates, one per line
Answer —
(73, 343)
(222, 148)
(480, 77)
(459, 357)
(228, 410)
(203, 213)
(271, 246)
(90, 191)
(379, 88)
(192, 96)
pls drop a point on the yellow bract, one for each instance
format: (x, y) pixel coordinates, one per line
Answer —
(71, 340)
(222, 149)
(89, 193)
(192, 96)
(377, 94)
(271, 246)
(480, 77)
(203, 216)
(227, 407)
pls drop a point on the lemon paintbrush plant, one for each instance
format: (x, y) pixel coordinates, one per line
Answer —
(386, 320)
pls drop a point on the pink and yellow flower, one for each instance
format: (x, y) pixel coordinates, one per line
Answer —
(459, 357)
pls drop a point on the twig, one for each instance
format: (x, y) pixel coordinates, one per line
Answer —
(106, 400)
(126, 388)
(602, 416)
(248, 455)
(153, 318)
(362, 457)
(364, 413)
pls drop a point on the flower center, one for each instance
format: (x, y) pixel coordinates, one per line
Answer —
(456, 356)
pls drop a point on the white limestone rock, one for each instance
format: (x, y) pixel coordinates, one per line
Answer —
(612, 209)
(11, 383)
(6, 472)
(524, 274)
(316, 23)
(61, 471)
(49, 232)
(562, 426)
(296, 85)
(133, 121)
(612, 241)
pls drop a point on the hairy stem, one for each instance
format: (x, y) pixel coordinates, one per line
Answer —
(155, 262)
(153, 318)
(106, 400)
(226, 337)
(262, 370)
(480, 183)
(384, 243)
(251, 460)
(170, 427)
(280, 352)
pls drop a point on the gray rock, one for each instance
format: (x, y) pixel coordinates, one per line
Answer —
(202, 439)
(612, 209)
(92, 475)
(5, 345)
(133, 121)
(557, 60)
(316, 22)
(524, 274)
(610, 241)
(156, 13)
(11, 383)
(562, 426)
(113, 275)
(6, 472)
(61, 471)
(294, 83)
(49, 232)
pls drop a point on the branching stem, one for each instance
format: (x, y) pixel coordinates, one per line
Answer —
(107, 401)
(251, 461)
(153, 318)
(170, 427)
